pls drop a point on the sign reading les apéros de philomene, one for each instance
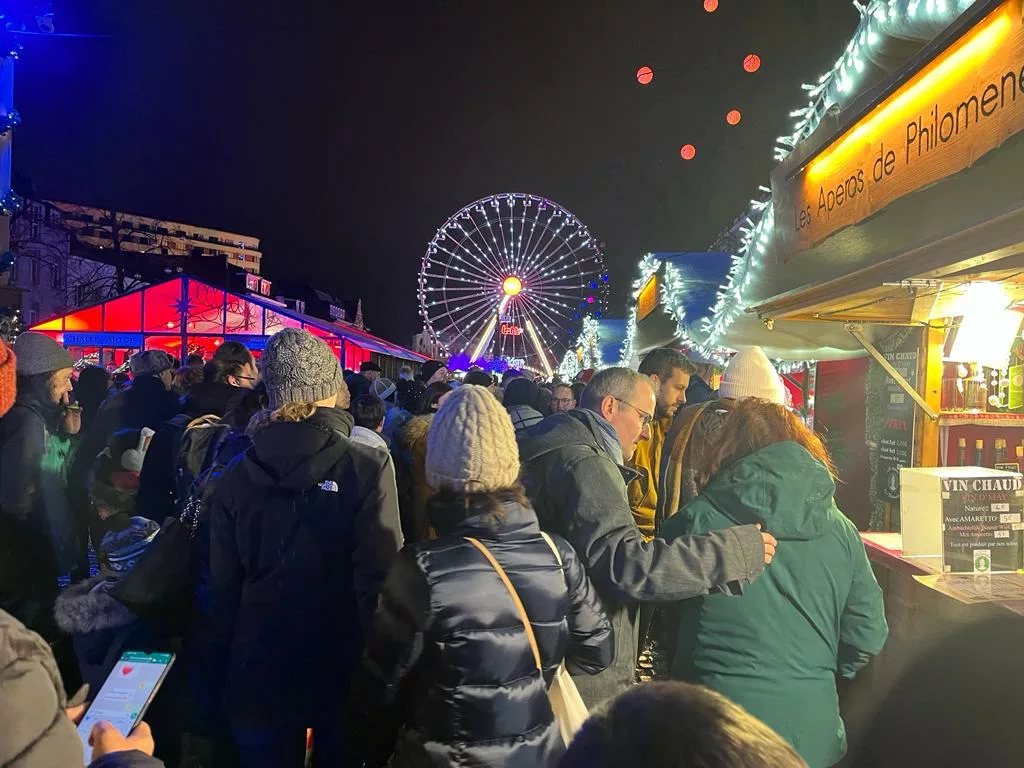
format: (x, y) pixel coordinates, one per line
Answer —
(964, 103)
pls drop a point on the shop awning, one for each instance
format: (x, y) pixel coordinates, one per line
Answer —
(185, 307)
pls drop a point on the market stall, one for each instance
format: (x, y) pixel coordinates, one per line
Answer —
(184, 316)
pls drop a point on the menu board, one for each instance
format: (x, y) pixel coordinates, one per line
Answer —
(982, 524)
(896, 443)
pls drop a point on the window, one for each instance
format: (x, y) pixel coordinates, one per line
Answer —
(55, 277)
(35, 273)
(34, 228)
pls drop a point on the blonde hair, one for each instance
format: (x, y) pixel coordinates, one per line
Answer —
(293, 412)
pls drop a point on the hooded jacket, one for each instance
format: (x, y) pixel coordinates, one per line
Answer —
(579, 492)
(34, 730)
(817, 611)
(38, 535)
(450, 661)
(303, 529)
(413, 488)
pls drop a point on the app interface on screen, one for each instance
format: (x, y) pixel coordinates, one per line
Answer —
(124, 693)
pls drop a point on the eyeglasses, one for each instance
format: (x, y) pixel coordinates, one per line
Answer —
(645, 418)
(562, 400)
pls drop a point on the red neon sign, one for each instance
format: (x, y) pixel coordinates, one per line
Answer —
(509, 329)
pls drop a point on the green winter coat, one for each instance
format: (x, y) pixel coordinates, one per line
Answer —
(815, 612)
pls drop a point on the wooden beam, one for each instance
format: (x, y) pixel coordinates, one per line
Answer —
(928, 429)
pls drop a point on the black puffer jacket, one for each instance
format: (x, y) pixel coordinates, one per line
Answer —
(449, 662)
(303, 529)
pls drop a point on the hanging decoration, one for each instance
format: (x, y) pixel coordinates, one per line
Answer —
(752, 63)
(688, 152)
(11, 325)
(9, 122)
(733, 117)
(10, 203)
(644, 75)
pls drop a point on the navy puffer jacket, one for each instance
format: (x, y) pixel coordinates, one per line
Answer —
(449, 677)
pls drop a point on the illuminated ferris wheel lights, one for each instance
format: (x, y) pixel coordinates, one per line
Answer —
(512, 286)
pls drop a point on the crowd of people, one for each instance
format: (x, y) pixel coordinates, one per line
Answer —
(367, 571)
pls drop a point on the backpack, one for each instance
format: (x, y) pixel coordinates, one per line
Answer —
(197, 444)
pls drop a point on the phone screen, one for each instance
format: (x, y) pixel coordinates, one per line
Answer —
(126, 693)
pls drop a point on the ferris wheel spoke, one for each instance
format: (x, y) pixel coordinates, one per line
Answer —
(465, 322)
(537, 255)
(560, 247)
(480, 258)
(486, 255)
(469, 268)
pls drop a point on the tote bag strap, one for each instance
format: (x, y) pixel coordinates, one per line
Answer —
(554, 549)
(515, 599)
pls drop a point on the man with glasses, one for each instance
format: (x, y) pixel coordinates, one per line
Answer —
(562, 399)
(573, 471)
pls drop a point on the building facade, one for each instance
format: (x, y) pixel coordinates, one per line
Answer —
(425, 344)
(73, 255)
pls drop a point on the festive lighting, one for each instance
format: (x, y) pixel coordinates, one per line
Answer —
(510, 259)
(688, 152)
(644, 75)
(710, 5)
(753, 230)
(512, 286)
(752, 62)
(733, 117)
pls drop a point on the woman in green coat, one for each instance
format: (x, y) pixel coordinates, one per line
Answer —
(815, 613)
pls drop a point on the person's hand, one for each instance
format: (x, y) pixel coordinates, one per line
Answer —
(105, 739)
(72, 420)
(75, 714)
(769, 545)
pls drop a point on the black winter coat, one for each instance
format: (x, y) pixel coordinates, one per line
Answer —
(449, 662)
(211, 397)
(303, 529)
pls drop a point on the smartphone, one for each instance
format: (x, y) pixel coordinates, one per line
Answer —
(126, 693)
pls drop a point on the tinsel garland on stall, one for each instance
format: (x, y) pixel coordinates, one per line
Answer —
(875, 392)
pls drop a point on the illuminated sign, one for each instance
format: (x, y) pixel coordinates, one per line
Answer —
(510, 329)
(97, 339)
(647, 299)
(515, 362)
(252, 342)
(961, 105)
(252, 282)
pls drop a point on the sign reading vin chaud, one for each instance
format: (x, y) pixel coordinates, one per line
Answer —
(964, 103)
(982, 523)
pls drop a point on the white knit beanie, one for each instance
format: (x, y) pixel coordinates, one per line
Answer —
(471, 445)
(751, 374)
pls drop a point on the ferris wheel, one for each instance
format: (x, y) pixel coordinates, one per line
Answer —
(509, 278)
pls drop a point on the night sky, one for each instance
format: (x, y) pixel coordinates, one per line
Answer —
(344, 133)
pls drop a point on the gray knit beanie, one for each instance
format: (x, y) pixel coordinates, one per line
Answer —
(471, 445)
(38, 353)
(151, 362)
(299, 368)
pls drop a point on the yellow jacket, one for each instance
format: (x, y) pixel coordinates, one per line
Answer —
(643, 492)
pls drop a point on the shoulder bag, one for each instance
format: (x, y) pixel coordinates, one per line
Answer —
(566, 703)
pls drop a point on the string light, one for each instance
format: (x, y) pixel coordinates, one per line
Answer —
(753, 230)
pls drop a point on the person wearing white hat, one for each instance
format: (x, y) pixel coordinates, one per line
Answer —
(751, 374)
(450, 661)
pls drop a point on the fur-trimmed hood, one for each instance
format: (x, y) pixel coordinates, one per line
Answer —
(415, 430)
(85, 607)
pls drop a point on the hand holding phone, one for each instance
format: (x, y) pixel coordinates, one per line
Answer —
(106, 740)
(110, 724)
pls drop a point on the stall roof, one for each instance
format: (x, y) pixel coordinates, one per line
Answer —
(210, 311)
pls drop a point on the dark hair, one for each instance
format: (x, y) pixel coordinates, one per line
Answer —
(91, 390)
(753, 424)
(510, 374)
(446, 509)
(185, 379)
(577, 390)
(428, 402)
(521, 391)
(245, 407)
(544, 398)
(677, 725)
(479, 378)
(193, 359)
(661, 362)
(233, 352)
(368, 411)
(369, 365)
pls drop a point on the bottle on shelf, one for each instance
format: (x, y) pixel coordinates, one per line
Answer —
(961, 452)
(979, 453)
(1000, 451)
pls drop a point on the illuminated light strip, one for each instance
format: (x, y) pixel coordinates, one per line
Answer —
(540, 349)
(969, 51)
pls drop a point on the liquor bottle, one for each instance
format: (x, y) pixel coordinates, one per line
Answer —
(1000, 452)
(979, 453)
(961, 452)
